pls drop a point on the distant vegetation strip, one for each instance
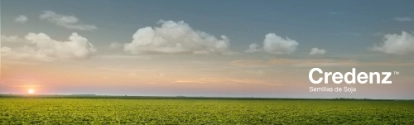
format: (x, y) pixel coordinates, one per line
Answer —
(92, 96)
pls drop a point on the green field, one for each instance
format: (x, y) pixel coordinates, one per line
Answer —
(202, 111)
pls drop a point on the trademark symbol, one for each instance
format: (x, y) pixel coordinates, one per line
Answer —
(396, 73)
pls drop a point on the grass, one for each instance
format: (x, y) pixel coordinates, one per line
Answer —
(112, 110)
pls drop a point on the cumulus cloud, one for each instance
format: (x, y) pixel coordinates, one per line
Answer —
(13, 38)
(67, 21)
(278, 45)
(175, 38)
(275, 44)
(24, 52)
(42, 47)
(403, 19)
(21, 19)
(253, 48)
(396, 44)
(316, 51)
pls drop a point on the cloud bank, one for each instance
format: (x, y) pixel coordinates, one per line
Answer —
(67, 21)
(175, 38)
(42, 47)
(13, 38)
(396, 44)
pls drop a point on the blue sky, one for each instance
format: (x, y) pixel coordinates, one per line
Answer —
(341, 32)
(330, 24)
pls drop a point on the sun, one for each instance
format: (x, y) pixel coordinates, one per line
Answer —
(31, 91)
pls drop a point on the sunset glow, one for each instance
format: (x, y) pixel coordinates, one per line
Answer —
(31, 91)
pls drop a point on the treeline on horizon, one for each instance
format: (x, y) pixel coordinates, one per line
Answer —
(94, 96)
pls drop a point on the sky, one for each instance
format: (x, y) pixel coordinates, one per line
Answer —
(204, 48)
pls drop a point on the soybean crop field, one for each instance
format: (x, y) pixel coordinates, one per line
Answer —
(202, 111)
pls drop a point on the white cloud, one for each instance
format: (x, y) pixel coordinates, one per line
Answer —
(253, 48)
(403, 19)
(396, 44)
(175, 38)
(67, 21)
(21, 19)
(278, 45)
(24, 52)
(316, 51)
(274, 44)
(45, 48)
